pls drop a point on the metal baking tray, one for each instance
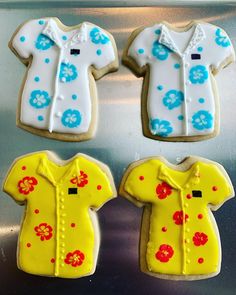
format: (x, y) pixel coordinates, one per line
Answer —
(118, 142)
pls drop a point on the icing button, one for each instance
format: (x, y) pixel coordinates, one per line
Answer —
(186, 205)
(187, 230)
(189, 99)
(186, 64)
(62, 193)
(63, 214)
(62, 200)
(62, 244)
(62, 250)
(62, 264)
(58, 114)
(60, 97)
(187, 82)
(188, 261)
(65, 61)
(63, 236)
(63, 79)
(62, 206)
(62, 229)
(62, 221)
(188, 250)
(187, 241)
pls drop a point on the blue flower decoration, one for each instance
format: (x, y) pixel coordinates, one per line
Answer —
(160, 51)
(98, 37)
(39, 99)
(68, 72)
(198, 74)
(221, 38)
(71, 118)
(202, 120)
(43, 42)
(161, 127)
(173, 99)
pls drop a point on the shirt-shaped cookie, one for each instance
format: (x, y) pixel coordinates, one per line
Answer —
(179, 237)
(59, 92)
(179, 99)
(59, 235)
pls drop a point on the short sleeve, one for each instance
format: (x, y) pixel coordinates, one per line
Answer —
(100, 188)
(140, 181)
(220, 188)
(18, 182)
(102, 47)
(221, 51)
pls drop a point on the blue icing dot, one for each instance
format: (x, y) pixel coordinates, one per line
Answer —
(200, 49)
(180, 117)
(177, 66)
(201, 100)
(74, 96)
(47, 60)
(99, 52)
(141, 51)
(36, 79)
(40, 118)
(64, 37)
(41, 22)
(22, 39)
(158, 31)
(159, 87)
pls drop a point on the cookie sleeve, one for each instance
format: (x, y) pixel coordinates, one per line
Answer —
(221, 188)
(103, 47)
(222, 52)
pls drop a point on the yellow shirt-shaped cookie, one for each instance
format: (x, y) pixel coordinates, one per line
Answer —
(59, 234)
(179, 237)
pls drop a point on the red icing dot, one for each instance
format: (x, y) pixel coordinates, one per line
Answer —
(141, 177)
(28, 245)
(99, 187)
(36, 211)
(200, 216)
(214, 188)
(53, 260)
(188, 196)
(164, 229)
(23, 167)
(200, 260)
(72, 224)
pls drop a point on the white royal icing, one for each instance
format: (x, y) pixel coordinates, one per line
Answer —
(56, 94)
(180, 99)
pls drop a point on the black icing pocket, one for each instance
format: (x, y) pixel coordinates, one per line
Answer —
(74, 51)
(197, 194)
(195, 56)
(72, 191)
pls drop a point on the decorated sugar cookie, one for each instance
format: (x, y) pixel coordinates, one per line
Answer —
(179, 235)
(58, 98)
(179, 97)
(59, 233)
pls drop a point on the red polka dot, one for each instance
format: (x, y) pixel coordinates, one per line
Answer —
(23, 167)
(200, 216)
(188, 196)
(141, 177)
(99, 187)
(72, 224)
(36, 211)
(164, 229)
(200, 260)
(214, 188)
(53, 260)
(28, 245)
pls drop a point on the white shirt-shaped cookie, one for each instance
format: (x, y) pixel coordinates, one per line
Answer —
(179, 90)
(59, 93)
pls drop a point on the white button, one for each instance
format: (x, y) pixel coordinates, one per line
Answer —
(186, 64)
(63, 79)
(58, 114)
(189, 99)
(187, 82)
(60, 97)
(65, 61)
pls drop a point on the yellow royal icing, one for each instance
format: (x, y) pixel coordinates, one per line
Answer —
(182, 237)
(58, 235)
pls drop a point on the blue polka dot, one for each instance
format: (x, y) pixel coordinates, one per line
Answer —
(159, 87)
(176, 66)
(141, 51)
(40, 118)
(22, 39)
(37, 79)
(158, 31)
(180, 117)
(200, 49)
(74, 96)
(201, 100)
(99, 52)
(64, 38)
(41, 22)
(47, 60)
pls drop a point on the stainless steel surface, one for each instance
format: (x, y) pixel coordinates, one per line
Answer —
(118, 142)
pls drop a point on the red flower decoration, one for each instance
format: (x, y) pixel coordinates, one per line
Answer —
(164, 253)
(75, 258)
(26, 185)
(81, 180)
(200, 239)
(44, 231)
(163, 190)
(179, 217)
